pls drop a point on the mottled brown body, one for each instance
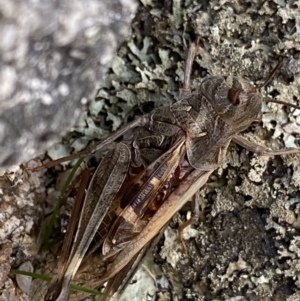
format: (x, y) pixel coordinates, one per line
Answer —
(142, 182)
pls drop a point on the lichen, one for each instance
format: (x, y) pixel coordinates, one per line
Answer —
(247, 243)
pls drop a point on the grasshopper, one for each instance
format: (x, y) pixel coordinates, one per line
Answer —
(144, 181)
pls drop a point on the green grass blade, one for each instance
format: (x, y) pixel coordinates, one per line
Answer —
(49, 228)
(48, 279)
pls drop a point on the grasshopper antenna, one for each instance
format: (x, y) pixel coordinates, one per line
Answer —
(271, 75)
(268, 99)
(267, 81)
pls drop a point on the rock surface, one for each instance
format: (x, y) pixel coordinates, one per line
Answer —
(54, 56)
(246, 244)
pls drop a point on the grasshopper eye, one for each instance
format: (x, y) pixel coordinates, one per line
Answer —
(234, 96)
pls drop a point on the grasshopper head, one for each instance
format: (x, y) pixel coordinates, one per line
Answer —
(236, 101)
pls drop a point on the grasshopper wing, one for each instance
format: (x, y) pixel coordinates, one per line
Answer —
(103, 188)
(176, 200)
(139, 197)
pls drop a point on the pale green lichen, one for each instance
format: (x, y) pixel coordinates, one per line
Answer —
(246, 194)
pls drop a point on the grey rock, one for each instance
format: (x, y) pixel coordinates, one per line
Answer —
(53, 58)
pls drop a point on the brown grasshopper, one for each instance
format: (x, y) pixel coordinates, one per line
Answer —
(143, 182)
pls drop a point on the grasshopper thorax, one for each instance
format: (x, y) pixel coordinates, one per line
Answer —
(236, 101)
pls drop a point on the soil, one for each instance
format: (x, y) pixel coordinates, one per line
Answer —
(246, 244)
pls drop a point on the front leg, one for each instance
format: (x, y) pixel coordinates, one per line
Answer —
(261, 150)
(191, 53)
